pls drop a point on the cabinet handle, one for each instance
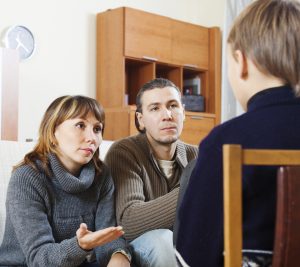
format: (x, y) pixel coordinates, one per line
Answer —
(149, 58)
(190, 66)
(196, 117)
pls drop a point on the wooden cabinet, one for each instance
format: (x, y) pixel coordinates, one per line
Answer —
(189, 45)
(134, 47)
(147, 36)
(196, 126)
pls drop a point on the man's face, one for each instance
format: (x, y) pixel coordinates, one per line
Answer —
(162, 115)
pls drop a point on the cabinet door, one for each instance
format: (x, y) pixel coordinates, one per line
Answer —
(195, 128)
(190, 45)
(116, 123)
(147, 36)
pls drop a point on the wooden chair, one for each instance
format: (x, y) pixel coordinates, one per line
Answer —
(287, 236)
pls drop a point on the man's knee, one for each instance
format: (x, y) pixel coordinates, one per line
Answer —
(154, 249)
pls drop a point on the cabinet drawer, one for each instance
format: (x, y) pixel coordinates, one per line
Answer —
(147, 36)
(195, 128)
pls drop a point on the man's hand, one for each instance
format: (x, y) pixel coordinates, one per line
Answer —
(88, 240)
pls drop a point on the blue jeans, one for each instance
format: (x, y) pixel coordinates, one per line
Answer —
(154, 249)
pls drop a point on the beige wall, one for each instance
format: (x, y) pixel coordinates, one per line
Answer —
(64, 60)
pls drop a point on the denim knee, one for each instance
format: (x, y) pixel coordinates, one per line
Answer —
(154, 249)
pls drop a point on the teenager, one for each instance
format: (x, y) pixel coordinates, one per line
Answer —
(264, 72)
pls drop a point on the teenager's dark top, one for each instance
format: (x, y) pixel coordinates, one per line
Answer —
(272, 122)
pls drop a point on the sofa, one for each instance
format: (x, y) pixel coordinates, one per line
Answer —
(12, 152)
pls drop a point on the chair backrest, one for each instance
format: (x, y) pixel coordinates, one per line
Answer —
(287, 236)
(234, 157)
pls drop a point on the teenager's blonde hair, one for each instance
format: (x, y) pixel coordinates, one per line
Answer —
(60, 110)
(268, 32)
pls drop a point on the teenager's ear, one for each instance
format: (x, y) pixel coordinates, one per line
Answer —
(242, 63)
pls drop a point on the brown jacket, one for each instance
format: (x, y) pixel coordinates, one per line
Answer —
(145, 198)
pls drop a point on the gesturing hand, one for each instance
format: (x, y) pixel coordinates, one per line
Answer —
(88, 240)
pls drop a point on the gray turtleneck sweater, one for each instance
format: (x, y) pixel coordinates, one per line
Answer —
(43, 214)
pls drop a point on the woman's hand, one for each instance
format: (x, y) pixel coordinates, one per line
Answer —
(88, 240)
(118, 260)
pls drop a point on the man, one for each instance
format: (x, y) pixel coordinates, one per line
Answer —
(146, 169)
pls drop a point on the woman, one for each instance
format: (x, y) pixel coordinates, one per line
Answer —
(60, 199)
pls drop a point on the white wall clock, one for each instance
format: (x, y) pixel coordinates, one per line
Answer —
(20, 38)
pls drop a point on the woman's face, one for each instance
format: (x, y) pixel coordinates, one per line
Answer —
(77, 141)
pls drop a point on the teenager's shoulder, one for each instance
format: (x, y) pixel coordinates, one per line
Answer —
(226, 132)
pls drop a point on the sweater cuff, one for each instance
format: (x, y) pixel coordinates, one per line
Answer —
(80, 251)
